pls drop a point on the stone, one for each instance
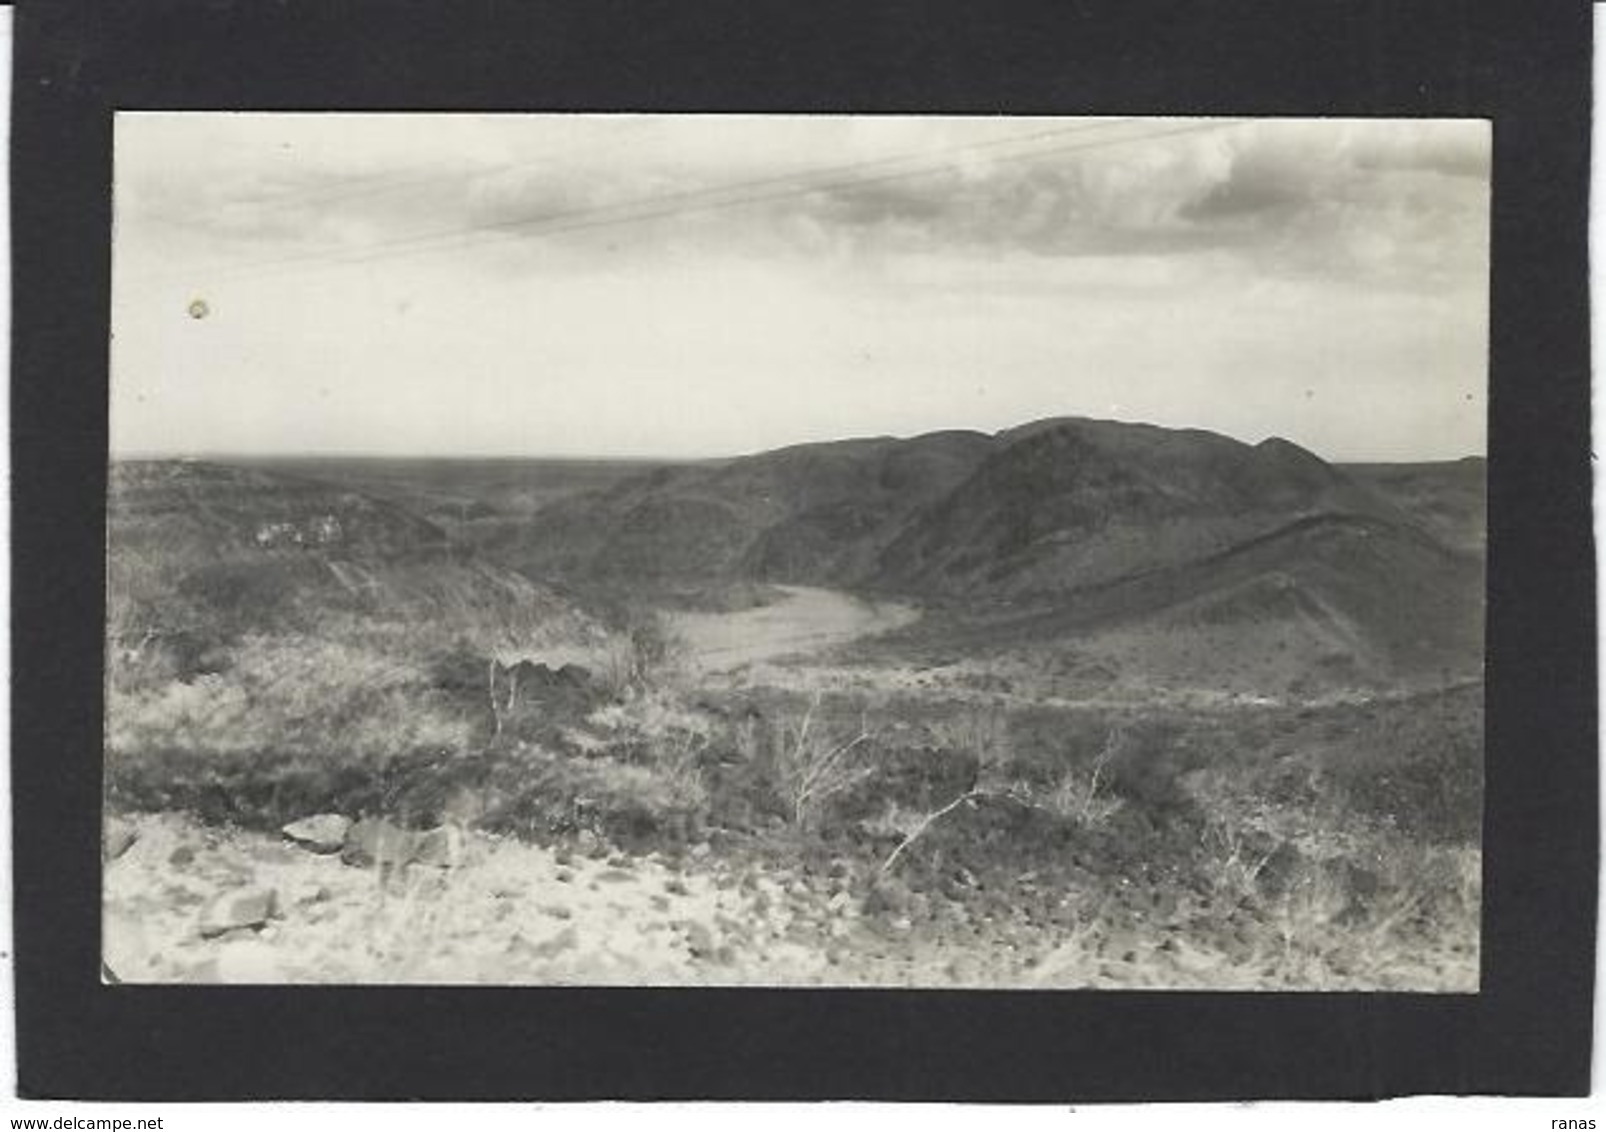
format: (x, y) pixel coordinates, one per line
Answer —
(439, 848)
(117, 839)
(181, 856)
(249, 907)
(699, 940)
(309, 892)
(125, 947)
(554, 946)
(376, 841)
(321, 833)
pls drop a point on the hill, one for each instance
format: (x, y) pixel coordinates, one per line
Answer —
(1061, 505)
(1167, 549)
(201, 553)
(1447, 498)
(809, 513)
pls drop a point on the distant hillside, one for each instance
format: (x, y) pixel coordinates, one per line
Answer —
(1325, 602)
(1047, 508)
(1061, 505)
(816, 512)
(1159, 540)
(214, 551)
(1448, 499)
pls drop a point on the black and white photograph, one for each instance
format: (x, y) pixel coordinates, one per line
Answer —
(943, 552)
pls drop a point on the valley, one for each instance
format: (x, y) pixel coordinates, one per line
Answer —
(1078, 704)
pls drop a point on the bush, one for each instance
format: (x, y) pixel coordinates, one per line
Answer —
(644, 654)
(535, 793)
(811, 764)
(1150, 766)
(292, 727)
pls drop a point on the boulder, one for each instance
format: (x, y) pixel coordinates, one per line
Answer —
(376, 841)
(250, 907)
(309, 892)
(575, 675)
(440, 848)
(116, 839)
(321, 833)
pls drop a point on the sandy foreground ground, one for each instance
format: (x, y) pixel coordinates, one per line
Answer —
(189, 903)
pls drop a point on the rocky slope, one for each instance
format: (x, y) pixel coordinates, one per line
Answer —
(187, 903)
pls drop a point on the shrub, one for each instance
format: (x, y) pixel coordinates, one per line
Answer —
(1152, 760)
(537, 793)
(812, 765)
(645, 653)
(293, 726)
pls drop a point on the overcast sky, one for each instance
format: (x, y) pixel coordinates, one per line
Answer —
(688, 286)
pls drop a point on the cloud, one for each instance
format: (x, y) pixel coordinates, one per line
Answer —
(1367, 198)
(710, 283)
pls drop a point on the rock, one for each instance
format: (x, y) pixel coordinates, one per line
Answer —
(556, 911)
(839, 903)
(182, 896)
(582, 742)
(321, 833)
(125, 947)
(563, 876)
(309, 892)
(440, 848)
(181, 856)
(615, 876)
(116, 839)
(554, 946)
(575, 675)
(235, 935)
(240, 908)
(699, 940)
(376, 841)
